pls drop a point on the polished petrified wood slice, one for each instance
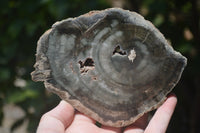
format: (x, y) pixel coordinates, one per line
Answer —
(112, 65)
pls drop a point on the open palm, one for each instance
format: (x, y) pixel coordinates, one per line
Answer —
(63, 119)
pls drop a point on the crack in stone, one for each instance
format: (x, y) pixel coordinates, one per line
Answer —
(87, 65)
(118, 50)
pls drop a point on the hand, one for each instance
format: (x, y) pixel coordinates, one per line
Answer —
(63, 119)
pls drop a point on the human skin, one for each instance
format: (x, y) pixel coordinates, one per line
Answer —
(64, 119)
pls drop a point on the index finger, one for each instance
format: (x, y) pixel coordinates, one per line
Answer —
(161, 118)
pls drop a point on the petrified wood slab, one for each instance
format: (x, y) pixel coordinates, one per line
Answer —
(111, 65)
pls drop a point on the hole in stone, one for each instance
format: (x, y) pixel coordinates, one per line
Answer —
(118, 50)
(94, 78)
(87, 65)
